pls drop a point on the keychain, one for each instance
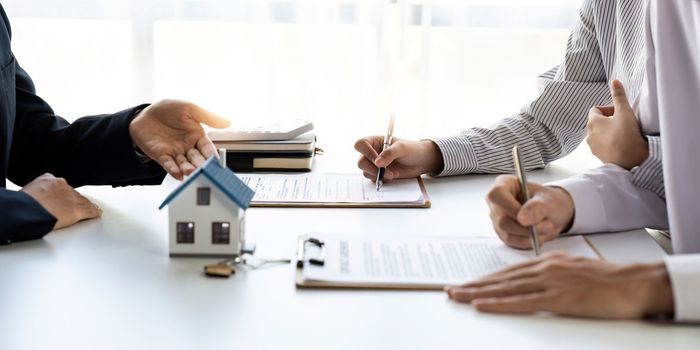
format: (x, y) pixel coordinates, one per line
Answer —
(226, 268)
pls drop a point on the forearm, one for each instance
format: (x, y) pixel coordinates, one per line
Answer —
(549, 127)
(92, 150)
(606, 200)
(23, 217)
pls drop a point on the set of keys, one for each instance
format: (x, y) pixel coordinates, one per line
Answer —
(227, 267)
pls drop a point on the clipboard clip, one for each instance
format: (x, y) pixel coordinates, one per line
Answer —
(301, 252)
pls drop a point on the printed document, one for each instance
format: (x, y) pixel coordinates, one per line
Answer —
(329, 188)
(418, 262)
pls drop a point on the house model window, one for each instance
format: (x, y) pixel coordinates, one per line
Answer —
(220, 232)
(203, 196)
(185, 232)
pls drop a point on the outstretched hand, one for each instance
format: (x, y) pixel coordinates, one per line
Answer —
(170, 132)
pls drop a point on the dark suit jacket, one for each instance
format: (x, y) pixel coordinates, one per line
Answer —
(93, 150)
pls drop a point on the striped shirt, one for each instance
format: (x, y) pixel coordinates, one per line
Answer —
(607, 42)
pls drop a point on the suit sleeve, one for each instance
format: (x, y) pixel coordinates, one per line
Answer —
(23, 217)
(95, 150)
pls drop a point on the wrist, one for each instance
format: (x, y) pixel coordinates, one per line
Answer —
(567, 206)
(433, 157)
(658, 294)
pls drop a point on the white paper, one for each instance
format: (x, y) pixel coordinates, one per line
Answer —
(328, 188)
(421, 261)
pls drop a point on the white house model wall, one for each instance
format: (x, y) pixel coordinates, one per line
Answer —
(221, 211)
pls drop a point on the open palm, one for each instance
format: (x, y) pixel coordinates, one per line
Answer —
(170, 132)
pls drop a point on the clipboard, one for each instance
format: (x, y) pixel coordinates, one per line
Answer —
(306, 258)
(423, 202)
(366, 261)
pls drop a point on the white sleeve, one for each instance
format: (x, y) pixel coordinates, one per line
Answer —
(606, 200)
(684, 271)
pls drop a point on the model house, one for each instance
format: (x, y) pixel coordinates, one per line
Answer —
(206, 213)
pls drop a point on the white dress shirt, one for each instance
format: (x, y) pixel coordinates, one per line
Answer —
(674, 48)
(606, 198)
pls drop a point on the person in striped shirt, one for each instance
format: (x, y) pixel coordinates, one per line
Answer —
(606, 43)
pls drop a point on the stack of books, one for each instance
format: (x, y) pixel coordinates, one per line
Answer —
(293, 155)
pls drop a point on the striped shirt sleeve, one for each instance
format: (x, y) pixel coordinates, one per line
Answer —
(551, 126)
(650, 175)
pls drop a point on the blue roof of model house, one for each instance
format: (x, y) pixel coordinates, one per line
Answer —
(223, 178)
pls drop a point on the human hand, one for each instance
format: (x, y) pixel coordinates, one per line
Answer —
(170, 132)
(614, 135)
(550, 210)
(403, 159)
(62, 201)
(574, 286)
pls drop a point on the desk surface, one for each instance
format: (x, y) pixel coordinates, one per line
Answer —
(109, 283)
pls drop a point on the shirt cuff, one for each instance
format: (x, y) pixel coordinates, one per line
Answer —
(457, 155)
(649, 175)
(684, 272)
(589, 212)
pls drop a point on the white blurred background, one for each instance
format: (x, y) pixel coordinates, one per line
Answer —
(440, 65)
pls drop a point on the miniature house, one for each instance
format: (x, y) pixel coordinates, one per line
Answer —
(206, 213)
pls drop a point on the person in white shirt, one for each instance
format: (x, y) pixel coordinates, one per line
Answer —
(605, 199)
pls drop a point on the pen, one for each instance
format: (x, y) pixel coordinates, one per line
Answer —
(387, 143)
(524, 194)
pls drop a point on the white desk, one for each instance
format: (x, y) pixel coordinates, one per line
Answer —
(109, 284)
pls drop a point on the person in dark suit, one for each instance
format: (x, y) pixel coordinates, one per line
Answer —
(49, 157)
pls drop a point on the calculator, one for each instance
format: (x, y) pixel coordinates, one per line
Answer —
(276, 131)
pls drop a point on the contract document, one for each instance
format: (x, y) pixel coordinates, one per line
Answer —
(333, 190)
(414, 262)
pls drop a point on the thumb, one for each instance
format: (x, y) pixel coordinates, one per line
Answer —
(532, 212)
(389, 155)
(204, 116)
(619, 96)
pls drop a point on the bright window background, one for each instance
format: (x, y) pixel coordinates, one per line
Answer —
(441, 65)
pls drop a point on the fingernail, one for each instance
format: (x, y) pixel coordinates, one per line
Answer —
(524, 215)
(379, 161)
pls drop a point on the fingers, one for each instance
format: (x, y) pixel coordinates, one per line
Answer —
(601, 111)
(370, 170)
(619, 96)
(499, 290)
(534, 211)
(186, 167)
(195, 157)
(369, 147)
(86, 209)
(207, 148)
(367, 167)
(518, 304)
(169, 164)
(389, 155)
(503, 195)
(204, 116)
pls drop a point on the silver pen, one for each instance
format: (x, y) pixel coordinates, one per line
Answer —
(387, 142)
(524, 194)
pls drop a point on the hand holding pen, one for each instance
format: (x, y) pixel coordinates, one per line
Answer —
(549, 210)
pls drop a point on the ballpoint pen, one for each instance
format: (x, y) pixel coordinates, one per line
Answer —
(387, 142)
(524, 194)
